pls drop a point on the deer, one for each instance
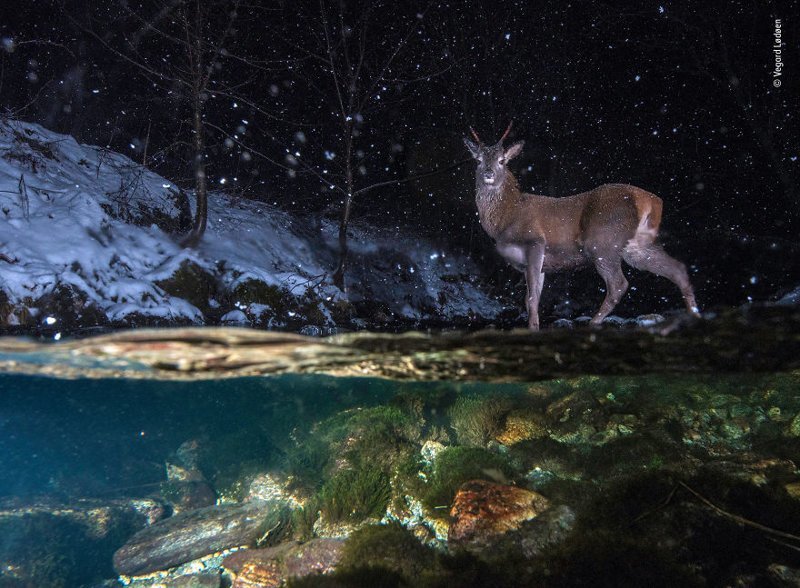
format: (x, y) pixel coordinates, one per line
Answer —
(541, 234)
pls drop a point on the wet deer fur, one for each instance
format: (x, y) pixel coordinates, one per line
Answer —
(540, 234)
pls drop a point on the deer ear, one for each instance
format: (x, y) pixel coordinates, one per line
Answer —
(473, 148)
(514, 150)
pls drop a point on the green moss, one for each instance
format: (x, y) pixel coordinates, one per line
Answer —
(303, 520)
(305, 462)
(355, 495)
(603, 558)
(377, 436)
(477, 419)
(457, 465)
(390, 547)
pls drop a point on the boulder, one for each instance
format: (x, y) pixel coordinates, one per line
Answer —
(482, 510)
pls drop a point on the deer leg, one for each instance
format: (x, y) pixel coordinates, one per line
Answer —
(610, 269)
(655, 260)
(534, 279)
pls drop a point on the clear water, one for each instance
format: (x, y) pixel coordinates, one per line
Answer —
(663, 474)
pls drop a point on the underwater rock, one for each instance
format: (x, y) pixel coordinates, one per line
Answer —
(793, 430)
(483, 509)
(186, 488)
(188, 496)
(793, 490)
(534, 536)
(271, 567)
(212, 580)
(784, 576)
(522, 425)
(96, 517)
(430, 449)
(267, 487)
(53, 543)
(190, 535)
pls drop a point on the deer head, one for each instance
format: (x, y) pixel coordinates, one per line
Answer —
(492, 159)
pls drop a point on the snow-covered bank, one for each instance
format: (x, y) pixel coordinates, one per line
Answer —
(87, 238)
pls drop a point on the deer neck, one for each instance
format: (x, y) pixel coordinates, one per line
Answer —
(496, 203)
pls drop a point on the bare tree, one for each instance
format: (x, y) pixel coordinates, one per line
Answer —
(189, 30)
(354, 63)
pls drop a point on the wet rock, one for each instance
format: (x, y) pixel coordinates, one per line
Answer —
(190, 535)
(482, 510)
(271, 567)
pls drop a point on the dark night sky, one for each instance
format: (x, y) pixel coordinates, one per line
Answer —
(677, 98)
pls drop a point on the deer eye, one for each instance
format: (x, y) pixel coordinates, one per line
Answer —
(501, 161)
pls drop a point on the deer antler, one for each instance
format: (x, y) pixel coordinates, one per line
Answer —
(474, 134)
(508, 130)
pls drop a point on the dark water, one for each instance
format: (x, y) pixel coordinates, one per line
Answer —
(694, 477)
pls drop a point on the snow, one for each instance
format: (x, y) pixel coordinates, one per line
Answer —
(85, 217)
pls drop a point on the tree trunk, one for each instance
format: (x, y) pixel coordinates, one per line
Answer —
(200, 180)
(339, 275)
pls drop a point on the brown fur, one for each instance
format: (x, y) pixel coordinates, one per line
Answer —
(604, 226)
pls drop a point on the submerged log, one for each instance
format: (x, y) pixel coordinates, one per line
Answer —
(757, 339)
(191, 535)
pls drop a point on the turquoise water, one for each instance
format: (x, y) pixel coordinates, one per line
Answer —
(691, 476)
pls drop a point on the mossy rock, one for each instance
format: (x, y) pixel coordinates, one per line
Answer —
(379, 435)
(456, 465)
(477, 420)
(305, 462)
(355, 495)
(192, 283)
(390, 547)
(356, 578)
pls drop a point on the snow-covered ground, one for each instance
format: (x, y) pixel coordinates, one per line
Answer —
(88, 236)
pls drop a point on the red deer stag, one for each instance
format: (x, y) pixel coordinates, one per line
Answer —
(539, 234)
